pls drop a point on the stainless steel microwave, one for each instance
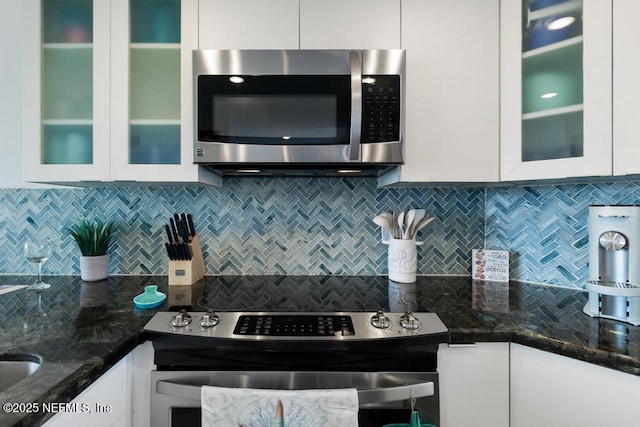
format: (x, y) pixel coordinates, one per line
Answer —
(299, 108)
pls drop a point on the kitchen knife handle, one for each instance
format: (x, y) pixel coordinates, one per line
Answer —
(173, 230)
(187, 251)
(182, 230)
(166, 227)
(169, 251)
(192, 227)
(183, 217)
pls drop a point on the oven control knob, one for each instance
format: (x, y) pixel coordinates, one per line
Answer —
(209, 320)
(181, 319)
(409, 321)
(380, 321)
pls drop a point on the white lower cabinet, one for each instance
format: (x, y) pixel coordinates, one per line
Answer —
(474, 385)
(119, 398)
(105, 403)
(141, 367)
(551, 390)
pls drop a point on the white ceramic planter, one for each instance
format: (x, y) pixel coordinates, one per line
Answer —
(94, 268)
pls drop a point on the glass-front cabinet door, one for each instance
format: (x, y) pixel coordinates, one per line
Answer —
(108, 94)
(66, 81)
(556, 89)
(151, 107)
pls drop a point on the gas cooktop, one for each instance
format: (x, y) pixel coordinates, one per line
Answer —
(285, 326)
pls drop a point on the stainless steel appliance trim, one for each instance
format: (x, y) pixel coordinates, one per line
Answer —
(372, 396)
(182, 389)
(355, 65)
(301, 62)
(430, 324)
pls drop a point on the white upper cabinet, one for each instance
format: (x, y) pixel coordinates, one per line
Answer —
(353, 24)
(556, 89)
(66, 91)
(109, 98)
(299, 24)
(151, 91)
(249, 24)
(626, 90)
(453, 86)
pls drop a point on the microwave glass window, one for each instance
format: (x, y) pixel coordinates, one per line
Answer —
(275, 110)
(289, 117)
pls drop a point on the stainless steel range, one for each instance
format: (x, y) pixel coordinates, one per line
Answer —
(390, 358)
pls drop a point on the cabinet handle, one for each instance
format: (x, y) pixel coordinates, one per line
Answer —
(462, 345)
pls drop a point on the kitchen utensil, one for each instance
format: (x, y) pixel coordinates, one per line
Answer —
(400, 224)
(419, 215)
(409, 223)
(192, 228)
(423, 223)
(186, 264)
(182, 231)
(183, 218)
(174, 232)
(383, 222)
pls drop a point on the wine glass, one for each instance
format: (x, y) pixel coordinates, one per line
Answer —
(38, 253)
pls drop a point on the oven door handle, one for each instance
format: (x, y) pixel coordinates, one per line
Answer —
(369, 396)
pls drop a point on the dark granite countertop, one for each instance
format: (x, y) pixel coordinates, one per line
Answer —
(90, 326)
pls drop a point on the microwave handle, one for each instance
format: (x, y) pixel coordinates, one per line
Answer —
(355, 66)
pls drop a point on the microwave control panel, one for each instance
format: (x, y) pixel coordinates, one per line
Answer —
(380, 108)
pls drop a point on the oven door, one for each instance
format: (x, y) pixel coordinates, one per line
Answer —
(384, 397)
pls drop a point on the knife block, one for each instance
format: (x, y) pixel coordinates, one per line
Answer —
(190, 271)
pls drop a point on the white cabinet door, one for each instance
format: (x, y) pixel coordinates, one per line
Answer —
(104, 106)
(556, 91)
(452, 95)
(556, 391)
(353, 24)
(474, 385)
(141, 367)
(66, 91)
(152, 92)
(105, 403)
(248, 24)
(626, 90)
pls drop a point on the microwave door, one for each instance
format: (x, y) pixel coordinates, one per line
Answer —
(304, 110)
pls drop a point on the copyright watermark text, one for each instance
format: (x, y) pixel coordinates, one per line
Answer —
(55, 407)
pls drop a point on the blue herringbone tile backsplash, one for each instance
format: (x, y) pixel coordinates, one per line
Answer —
(545, 228)
(250, 226)
(316, 226)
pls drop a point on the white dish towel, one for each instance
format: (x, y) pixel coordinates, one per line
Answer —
(247, 407)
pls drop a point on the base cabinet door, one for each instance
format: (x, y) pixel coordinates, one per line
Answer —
(474, 385)
(556, 391)
(106, 403)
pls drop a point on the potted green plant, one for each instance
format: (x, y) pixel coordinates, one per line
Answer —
(93, 239)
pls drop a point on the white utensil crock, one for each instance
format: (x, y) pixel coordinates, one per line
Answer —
(402, 260)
